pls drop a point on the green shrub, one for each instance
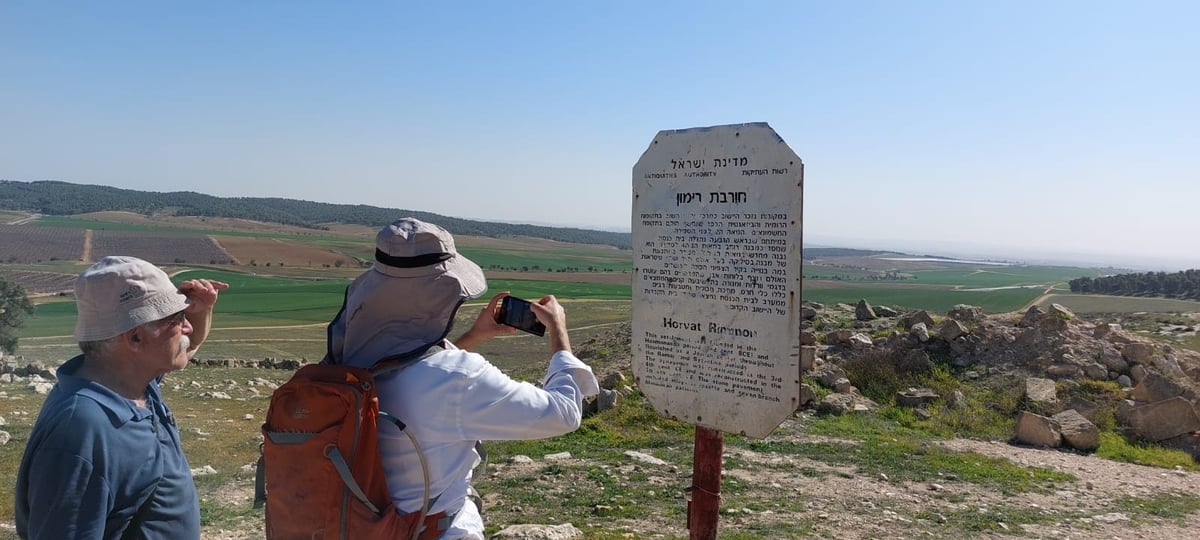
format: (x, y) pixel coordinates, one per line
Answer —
(880, 373)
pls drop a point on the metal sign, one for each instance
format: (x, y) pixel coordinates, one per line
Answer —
(717, 226)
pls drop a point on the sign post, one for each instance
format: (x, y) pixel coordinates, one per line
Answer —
(717, 227)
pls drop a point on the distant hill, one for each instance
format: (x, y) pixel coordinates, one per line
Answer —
(64, 199)
(816, 253)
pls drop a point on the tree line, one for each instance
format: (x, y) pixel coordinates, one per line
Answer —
(63, 199)
(1183, 285)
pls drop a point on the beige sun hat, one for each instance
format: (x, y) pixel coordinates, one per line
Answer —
(118, 293)
(406, 302)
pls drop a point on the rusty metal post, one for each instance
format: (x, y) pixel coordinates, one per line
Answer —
(705, 505)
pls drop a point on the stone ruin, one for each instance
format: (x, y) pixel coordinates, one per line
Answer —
(1049, 348)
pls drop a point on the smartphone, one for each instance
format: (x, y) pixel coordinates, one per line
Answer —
(515, 312)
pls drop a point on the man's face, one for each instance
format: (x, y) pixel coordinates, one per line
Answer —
(167, 342)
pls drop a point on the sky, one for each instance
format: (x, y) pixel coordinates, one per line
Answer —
(1063, 131)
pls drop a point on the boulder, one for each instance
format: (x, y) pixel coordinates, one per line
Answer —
(1064, 370)
(1104, 329)
(950, 329)
(1189, 442)
(807, 396)
(808, 313)
(920, 331)
(1084, 407)
(1032, 316)
(1096, 371)
(828, 374)
(565, 531)
(1037, 430)
(1060, 312)
(884, 311)
(964, 312)
(863, 311)
(1137, 372)
(1041, 391)
(836, 404)
(860, 341)
(919, 317)
(1160, 420)
(1167, 363)
(808, 358)
(916, 397)
(1078, 432)
(1138, 352)
(1155, 387)
(838, 337)
(1112, 359)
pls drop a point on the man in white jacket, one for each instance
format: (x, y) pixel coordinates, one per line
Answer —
(453, 398)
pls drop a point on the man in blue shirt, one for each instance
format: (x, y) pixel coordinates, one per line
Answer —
(104, 459)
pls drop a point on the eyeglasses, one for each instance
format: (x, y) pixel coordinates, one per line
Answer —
(171, 321)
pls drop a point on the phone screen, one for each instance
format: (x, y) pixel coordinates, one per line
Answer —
(516, 313)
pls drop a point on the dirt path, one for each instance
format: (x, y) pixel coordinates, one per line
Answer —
(86, 256)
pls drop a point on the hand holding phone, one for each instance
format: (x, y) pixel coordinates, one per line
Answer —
(515, 312)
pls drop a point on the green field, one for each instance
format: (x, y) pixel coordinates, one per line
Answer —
(262, 301)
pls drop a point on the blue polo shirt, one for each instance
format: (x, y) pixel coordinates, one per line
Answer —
(99, 466)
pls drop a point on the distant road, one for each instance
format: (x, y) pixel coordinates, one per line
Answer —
(25, 220)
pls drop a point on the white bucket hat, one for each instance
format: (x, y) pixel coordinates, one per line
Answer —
(117, 294)
(406, 302)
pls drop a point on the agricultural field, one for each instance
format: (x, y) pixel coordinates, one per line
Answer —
(158, 247)
(1099, 303)
(270, 316)
(282, 252)
(24, 244)
(39, 283)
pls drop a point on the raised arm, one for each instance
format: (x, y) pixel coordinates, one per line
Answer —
(203, 294)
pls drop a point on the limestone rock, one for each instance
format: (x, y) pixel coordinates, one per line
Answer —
(863, 311)
(950, 329)
(920, 331)
(565, 531)
(644, 458)
(836, 404)
(1188, 442)
(1077, 431)
(1138, 352)
(1032, 316)
(1041, 391)
(1037, 430)
(964, 312)
(916, 397)
(920, 317)
(1061, 312)
(1155, 387)
(1160, 420)
(884, 311)
(860, 341)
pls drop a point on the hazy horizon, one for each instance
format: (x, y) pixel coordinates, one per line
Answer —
(1062, 131)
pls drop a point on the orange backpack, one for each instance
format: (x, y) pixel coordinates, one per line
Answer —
(320, 473)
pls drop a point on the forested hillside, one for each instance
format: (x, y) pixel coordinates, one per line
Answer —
(62, 198)
(1184, 285)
